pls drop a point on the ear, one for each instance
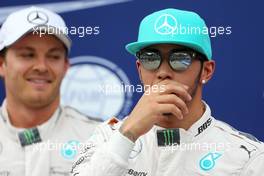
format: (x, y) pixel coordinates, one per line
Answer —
(208, 71)
(66, 65)
(138, 64)
(2, 65)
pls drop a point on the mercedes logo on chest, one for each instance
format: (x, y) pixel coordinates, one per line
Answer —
(37, 17)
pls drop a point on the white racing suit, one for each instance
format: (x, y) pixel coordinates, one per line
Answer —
(208, 147)
(48, 149)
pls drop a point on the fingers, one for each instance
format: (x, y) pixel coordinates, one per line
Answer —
(170, 108)
(167, 82)
(173, 94)
(163, 100)
(173, 99)
(179, 89)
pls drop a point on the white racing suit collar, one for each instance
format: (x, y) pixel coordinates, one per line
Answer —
(169, 137)
(33, 135)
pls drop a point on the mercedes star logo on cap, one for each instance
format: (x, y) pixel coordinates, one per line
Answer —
(165, 24)
(37, 17)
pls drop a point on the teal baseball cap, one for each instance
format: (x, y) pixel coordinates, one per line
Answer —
(173, 26)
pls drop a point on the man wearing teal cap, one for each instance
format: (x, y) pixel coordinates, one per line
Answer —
(171, 131)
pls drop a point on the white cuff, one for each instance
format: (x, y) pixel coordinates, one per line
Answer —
(120, 145)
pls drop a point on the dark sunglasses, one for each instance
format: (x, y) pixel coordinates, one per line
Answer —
(179, 60)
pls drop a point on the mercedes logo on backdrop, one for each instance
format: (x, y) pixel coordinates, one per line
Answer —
(95, 86)
(37, 17)
(165, 24)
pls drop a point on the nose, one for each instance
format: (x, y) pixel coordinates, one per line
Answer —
(164, 71)
(41, 64)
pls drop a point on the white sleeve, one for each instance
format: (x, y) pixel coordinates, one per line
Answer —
(104, 155)
(255, 166)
